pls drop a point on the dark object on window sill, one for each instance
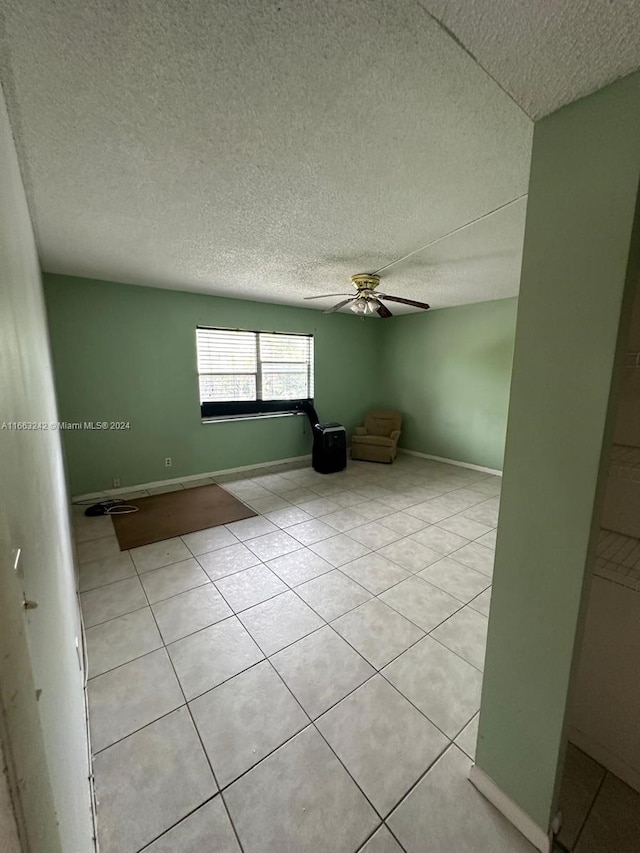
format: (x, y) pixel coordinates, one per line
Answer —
(252, 407)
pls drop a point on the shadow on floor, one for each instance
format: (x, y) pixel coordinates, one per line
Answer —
(600, 813)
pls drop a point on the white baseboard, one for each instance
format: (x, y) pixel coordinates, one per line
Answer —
(188, 478)
(473, 467)
(540, 839)
(605, 756)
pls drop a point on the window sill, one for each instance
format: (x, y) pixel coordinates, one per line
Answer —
(252, 417)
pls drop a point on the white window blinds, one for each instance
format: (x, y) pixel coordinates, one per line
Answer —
(239, 366)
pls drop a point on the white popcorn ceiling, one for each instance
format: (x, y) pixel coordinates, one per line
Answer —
(268, 149)
(546, 53)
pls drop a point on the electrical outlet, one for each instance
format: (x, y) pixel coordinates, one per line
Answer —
(116, 482)
(167, 462)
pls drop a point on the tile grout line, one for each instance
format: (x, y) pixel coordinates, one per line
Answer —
(197, 731)
(590, 809)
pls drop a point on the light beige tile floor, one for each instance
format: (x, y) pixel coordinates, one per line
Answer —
(296, 681)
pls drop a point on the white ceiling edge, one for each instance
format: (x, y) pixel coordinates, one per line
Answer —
(546, 54)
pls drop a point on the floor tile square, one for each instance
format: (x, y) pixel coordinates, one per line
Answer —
(318, 506)
(267, 504)
(459, 581)
(244, 719)
(120, 640)
(211, 656)
(288, 516)
(489, 539)
(340, 549)
(114, 599)
(347, 498)
(131, 696)
(373, 510)
(209, 825)
(463, 526)
(465, 633)
(271, 481)
(400, 501)
(303, 777)
(108, 570)
(272, 545)
(332, 594)
(301, 495)
(203, 541)
(403, 523)
(467, 738)
(158, 554)
(228, 561)
(321, 669)
(482, 602)
(326, 487)
(459, 500)
(170, 580)
(97, 549)
(372, 491)
(299, 566)
(149, 781)
(92, 527)
(249, 587)
(189, 612)
(382, 842)
(250, 528)
(438, 682)
(344, 520)
(280, 621)
(377, 632)
(476, 557)
(489, 487)
(429, 511)
(312, 531)
(411, 555)
(283, 488)
(434, 809)
(382, 740)
(246, 489)
(423, 604)
(374, 572)
(485, 513)
(442, 541)
(374, 535)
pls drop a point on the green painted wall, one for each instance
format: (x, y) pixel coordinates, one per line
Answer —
(448, 372)
(127, 353)
(575, 280)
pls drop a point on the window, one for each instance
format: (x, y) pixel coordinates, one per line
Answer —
(250, 373)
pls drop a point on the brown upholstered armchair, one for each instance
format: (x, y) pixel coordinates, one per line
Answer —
(377, 440)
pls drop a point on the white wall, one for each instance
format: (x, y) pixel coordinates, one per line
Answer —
(605, 718)
(41, 683)
(605, 721)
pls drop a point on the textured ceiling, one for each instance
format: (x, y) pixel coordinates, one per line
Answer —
(264, 150)
(547, 53)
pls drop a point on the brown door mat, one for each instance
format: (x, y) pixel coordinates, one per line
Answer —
(176, 513)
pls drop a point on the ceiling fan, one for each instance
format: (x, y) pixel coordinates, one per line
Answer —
(366, 301)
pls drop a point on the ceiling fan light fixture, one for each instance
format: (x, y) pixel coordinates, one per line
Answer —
(360, 306)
